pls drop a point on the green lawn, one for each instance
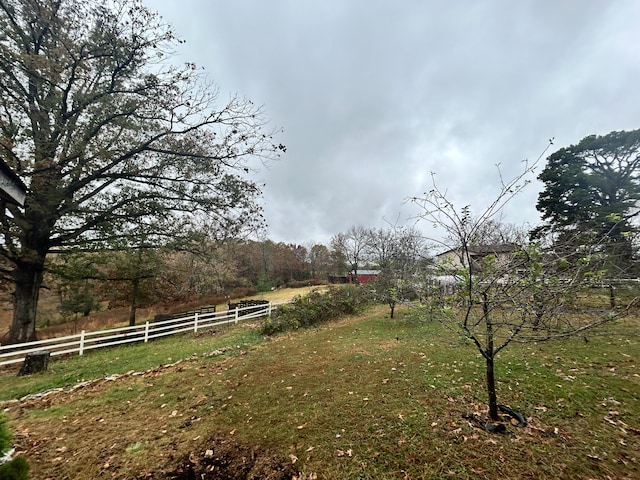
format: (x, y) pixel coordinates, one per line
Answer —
(364, 397)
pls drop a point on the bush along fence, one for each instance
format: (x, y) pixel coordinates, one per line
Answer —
(318, 307)
(194, 321)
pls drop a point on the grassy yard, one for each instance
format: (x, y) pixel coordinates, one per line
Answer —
(365, 397)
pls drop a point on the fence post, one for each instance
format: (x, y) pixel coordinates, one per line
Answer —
(195, 322)
(237, 309)
(146, 332)
(81, 348)
(269, 310)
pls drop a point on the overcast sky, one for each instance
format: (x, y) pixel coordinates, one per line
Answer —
(375, 95)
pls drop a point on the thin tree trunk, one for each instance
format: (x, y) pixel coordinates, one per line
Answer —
(489, 357)
(134, 301)
(491, 390)
(28, 280)
(612, 296)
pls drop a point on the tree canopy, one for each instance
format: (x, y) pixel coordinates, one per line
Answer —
(591, 190)
(111, 138)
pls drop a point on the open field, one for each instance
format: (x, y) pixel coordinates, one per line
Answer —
(365, 397)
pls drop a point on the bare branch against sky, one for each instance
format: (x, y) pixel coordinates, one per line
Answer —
(375, 95)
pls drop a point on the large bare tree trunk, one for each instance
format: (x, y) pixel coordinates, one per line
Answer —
(28, 280)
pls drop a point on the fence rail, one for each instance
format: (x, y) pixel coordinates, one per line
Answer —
(84, 341)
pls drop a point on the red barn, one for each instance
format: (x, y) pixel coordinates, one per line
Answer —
(367, 276)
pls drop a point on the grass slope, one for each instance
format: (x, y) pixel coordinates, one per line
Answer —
(365, 397)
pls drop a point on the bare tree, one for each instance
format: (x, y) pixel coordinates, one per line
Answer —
(520, 295)
(400, 253)
(352, 247)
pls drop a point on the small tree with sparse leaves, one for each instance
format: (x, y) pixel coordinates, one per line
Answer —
(521, 294)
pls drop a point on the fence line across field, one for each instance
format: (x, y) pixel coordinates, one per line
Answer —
(89, 340)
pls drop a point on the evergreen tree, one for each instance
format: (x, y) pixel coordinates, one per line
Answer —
(591, 192)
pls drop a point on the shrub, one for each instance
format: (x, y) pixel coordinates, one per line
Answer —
(311, 282)
(17, 468)
(316, 308)
(5, 436)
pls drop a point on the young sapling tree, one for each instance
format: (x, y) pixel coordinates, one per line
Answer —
(513, 291)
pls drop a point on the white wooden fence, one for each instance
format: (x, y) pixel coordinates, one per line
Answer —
(84, 341)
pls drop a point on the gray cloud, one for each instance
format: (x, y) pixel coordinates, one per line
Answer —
(373, 96)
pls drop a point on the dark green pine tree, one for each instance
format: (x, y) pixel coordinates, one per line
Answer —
(591, 191)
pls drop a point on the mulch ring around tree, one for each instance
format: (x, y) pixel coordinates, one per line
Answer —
(226, 459)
